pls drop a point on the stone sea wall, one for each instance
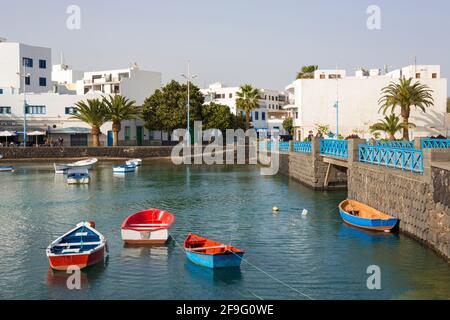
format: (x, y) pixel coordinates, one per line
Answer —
(83, 152)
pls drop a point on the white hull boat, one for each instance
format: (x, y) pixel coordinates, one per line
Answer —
(124, 169)
(83, 164)
(136, 162)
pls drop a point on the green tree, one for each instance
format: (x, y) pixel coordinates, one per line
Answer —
(247, 101)
(288, 125)
(119, 108)
(324, 129)
(390, 125)
(405, 95)
(94, 113)
(218, 116)
(166, 109)
(307, 72)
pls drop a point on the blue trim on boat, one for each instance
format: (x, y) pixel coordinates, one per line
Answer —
(223, 260)
(74, 237)
(368, 223)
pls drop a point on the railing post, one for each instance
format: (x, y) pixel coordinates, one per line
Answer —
(418, 143)
(315, 147)
(353, 149)
(427, 164)
(291, 146)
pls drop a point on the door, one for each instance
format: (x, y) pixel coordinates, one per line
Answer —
(78, 140)
(139, 134)
(110, 138)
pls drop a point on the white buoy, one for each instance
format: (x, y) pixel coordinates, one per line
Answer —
(304, 212)
(275, 209)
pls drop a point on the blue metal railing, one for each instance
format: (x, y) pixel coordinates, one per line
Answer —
(398, 158)
(304, 147)
(428, 143)
(284, 146)
(396, 144)
(334, 148)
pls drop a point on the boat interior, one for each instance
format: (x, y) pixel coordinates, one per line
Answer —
(79, 240)
(205, 246)
(361, 210)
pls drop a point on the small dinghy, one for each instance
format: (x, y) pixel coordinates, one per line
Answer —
(147, 227)
(82, 164)
(124, 169)
(211, 254)
(136, 162)
(362, 216)
(78, 176)
(83, 246)
(7, 169)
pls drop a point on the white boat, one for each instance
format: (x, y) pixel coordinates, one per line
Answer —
(78, 176)
(82, 164)
(124, 169)
(136, 162)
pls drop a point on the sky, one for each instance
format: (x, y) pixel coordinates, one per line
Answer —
(263, 43)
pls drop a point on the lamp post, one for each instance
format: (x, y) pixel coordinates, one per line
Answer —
(24, 76)
(188, 78)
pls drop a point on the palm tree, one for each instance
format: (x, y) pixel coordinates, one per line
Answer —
(119, 108)
(307, 72)
(247, 101)
(405, 95)
(92, 112)
(390, 124)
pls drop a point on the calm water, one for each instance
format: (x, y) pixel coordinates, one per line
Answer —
(317, 254)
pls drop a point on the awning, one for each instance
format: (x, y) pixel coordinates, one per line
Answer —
(37, 133)
(71, 130)
(7, 134)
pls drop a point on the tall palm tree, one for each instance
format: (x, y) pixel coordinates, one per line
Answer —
(307, 72)
(390, 124)
(247, 101)
(92, 112)
(405, 95)
(119, 108)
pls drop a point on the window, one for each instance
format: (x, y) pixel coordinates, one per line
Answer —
(27, 62)
(127, 133)
(256, 115)
(5, 110)
(27, 81)
(322, 76)
(1, 91)
(70, 110)
(43, 82)
(417, 75)
(223, 96)
(434, 75)
(35, 110)
(230, 96)
(263, 116)
(42, 64)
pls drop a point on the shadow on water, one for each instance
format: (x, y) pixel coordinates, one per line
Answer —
(350, 232)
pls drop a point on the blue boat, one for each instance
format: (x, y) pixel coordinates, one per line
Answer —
(211, 254)
(78, 176)
(6, 169)
(360, 215)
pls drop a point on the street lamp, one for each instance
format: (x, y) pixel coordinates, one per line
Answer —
(188, 78)
(24, 76)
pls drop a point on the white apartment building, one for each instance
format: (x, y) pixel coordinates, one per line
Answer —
(50, 110)
(20, 59)
(268, 116)
(312, 101)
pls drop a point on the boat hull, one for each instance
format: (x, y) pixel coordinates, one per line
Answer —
(63, 262)
(62, 168)
(144, 237)
(374, 224)
(6, 169)
(225, 260)
(124, 169)
(78, 180)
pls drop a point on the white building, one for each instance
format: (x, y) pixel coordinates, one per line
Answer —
(20, 59)
(312, 101)
(268, 115)
(51, 109)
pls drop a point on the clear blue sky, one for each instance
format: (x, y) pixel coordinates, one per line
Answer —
(234, 41)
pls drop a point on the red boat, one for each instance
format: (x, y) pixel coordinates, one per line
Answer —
(83, 246)
(147, 227)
